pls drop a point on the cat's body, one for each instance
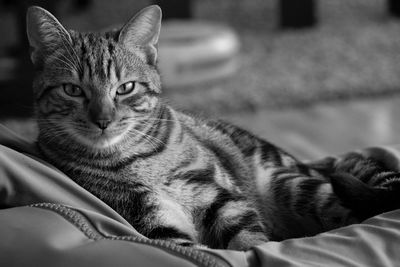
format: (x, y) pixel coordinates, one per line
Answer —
(171, 175)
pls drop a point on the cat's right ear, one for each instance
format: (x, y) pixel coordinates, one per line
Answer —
(143, 30)
(45, 33)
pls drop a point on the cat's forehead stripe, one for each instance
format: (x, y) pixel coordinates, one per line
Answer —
(98, 54)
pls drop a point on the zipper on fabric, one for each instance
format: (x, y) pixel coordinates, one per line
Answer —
(75, 217)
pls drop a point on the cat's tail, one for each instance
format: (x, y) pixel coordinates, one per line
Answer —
(366, 200)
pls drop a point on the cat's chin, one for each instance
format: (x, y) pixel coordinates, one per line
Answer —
(100, 142)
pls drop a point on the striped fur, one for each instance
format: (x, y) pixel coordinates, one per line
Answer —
(171, 175)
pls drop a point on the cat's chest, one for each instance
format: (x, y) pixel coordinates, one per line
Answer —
(180, 180)
(138, 192)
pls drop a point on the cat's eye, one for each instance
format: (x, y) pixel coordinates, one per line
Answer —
(126, 88)
(72, 90)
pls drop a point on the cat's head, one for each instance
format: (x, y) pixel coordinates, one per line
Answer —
(94, 87)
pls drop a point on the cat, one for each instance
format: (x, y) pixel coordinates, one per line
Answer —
(171, 175)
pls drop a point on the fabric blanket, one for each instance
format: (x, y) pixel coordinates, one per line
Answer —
(48, 220)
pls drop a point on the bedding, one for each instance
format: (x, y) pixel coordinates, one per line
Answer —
(48, 220)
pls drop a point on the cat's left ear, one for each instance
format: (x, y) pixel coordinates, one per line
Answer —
(143, 31)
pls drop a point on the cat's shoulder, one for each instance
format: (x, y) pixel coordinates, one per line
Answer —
(218, 129)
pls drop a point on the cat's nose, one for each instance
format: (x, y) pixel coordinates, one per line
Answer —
(103, 124)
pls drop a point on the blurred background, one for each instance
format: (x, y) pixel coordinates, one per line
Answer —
(316, 77)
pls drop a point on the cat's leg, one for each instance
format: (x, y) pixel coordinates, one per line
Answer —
(364, 168)
(155, 214)
(302, 201)
(368, 170)
(232, 222)
(169, 221)
(365, 185)
(152, 213)
(298, 201)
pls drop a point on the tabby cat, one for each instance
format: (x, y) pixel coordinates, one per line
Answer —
(171, 175)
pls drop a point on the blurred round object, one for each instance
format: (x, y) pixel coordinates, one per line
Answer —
(193, 52)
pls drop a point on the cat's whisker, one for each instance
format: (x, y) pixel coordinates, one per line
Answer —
(75, 61)
(133, 120)
(150, 139)
(155, 139)
(151, 119)
(66, 60)
(60, 68)
(146, 137)
(62, 61)
(75, 56)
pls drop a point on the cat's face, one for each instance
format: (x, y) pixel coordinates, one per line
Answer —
(94, 88)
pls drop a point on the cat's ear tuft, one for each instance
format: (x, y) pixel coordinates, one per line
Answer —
(143, 30)
(45, 33)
